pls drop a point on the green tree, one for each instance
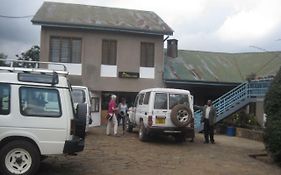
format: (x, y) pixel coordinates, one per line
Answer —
(3, 56)
(272, 104)
(32, 54)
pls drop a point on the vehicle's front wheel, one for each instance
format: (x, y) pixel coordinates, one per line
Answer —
(142, 132)
(19, 157)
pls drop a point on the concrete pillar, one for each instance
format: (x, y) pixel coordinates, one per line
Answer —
(260, 111)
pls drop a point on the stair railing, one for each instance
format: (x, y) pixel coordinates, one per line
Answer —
(253, 89)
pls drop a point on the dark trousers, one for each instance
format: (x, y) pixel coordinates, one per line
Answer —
(208, 131)
(121, 118)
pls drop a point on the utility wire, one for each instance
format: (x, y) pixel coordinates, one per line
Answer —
(16, 17)
(266, 63)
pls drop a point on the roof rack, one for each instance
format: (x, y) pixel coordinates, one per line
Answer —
(33, 66)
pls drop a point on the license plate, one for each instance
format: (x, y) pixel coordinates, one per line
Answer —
(160, 121)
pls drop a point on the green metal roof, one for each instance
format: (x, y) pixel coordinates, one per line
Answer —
(201, 66)
(100, 18)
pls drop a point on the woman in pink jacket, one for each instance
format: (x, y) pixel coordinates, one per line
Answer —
(112, 119)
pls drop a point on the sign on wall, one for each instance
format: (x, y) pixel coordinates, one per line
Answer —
(129, 75)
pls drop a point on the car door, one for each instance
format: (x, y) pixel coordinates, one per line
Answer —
(44, 113)
(160, 109)
(139, 108)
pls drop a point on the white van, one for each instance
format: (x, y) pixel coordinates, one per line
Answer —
(163, 111)
(37, 117)
(81, 94)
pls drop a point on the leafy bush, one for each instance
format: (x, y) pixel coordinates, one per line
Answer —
(272, 136)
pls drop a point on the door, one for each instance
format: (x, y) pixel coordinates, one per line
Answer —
(95, 109)
(139, 108)
(161, 112)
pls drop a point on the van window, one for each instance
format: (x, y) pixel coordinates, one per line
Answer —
(160, 101)
(4, 99)
(78, 96)
(39, 102)
(136, 101)
(146, 98)
(175, 99)
(141, 99)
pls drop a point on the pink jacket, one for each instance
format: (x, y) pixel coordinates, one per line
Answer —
(111, 106)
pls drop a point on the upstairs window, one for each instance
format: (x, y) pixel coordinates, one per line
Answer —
(147, 55)
(109, 52)
(65, 50)
(4, 99)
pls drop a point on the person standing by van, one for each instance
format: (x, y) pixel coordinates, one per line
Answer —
(111, 116)
(209, 115)
(122, 112)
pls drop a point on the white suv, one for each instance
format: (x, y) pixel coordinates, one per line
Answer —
(37, 118)
(162, 111)
(81, 94)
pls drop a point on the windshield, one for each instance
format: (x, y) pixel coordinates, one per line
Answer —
(78, 96)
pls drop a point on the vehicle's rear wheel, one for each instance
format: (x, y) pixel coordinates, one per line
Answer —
(19, 157)
(181, 115)
(129, 126)
(142, 132)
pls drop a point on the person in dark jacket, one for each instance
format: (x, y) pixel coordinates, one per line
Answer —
(209, 116)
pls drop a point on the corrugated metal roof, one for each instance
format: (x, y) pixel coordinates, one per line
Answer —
(100, 18)
(220, 67)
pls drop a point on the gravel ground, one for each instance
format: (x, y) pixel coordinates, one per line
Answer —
(127, 155)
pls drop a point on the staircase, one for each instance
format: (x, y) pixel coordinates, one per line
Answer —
(236, 99)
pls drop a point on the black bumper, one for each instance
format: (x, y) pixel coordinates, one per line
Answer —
(74, 145)
(187, 131)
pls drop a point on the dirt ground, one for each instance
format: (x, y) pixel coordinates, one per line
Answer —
(123, 155)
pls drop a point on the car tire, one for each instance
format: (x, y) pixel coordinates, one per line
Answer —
(81, 120)
(181, 115)
(19, 157)
(129, 126)
(142, 132)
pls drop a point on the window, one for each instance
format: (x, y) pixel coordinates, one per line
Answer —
(160, 101)
(146, 98)
(38, 78)
(65, 50)
(109, 52)
(136, 101)
(175, 99)
(4, 99)
(147, 55)
(39, 102)
(78, 96)
(140, 101)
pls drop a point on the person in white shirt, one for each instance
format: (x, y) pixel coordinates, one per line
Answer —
(122, 108)
(209, 115)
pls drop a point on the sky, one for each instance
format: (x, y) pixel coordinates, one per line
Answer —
(208, 25)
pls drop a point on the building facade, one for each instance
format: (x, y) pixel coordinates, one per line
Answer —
(109, 50)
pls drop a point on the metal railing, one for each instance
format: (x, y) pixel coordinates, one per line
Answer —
(236, 99)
